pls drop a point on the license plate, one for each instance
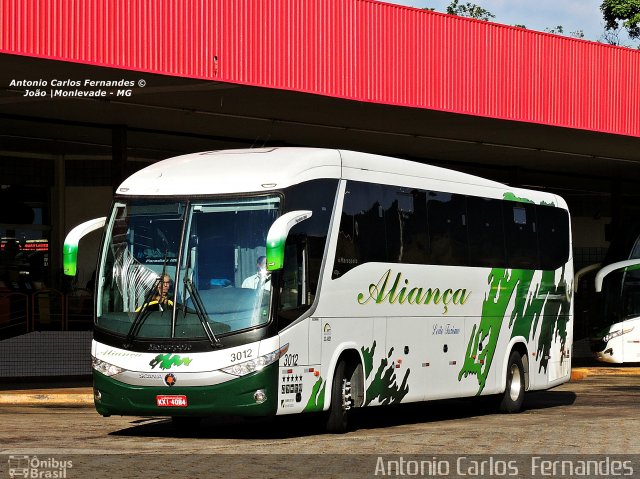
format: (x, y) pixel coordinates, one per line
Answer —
(171, 401)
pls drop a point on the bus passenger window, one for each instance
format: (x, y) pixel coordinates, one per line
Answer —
(486, 232)
(521, 235)
(362, 228)
(406, 226)
(447, 228)
(553, 236)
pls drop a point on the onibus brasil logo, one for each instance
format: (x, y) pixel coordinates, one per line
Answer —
(401, 292)
(34, 467)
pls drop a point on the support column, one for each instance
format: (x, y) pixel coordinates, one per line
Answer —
(119, 168)
(616, 210)
(58, 221)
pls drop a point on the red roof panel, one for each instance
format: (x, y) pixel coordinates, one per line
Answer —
(357, 49)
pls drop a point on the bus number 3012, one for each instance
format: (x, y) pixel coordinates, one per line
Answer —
(290, 360)
(240, 355)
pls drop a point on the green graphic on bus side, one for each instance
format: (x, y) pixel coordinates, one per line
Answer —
(517, 199)
(316, 401)
(548, 299)
(413, 295)
(554, 322)
(166, 361)
(384, 385)
(367, 356)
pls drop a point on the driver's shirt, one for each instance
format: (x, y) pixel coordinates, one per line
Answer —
(253, 281)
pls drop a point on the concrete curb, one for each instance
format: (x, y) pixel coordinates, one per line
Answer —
(82, 397)
(580, 373)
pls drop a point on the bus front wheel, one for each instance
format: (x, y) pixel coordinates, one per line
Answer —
(513, 396)
(341, 401)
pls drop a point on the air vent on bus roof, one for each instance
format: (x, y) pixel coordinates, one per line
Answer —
(242, 151)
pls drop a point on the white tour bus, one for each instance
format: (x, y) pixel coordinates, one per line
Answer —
(616, 336)
(386, 281)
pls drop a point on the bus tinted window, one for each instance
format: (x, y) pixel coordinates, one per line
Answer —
(486, 232)
(381, 224)
(448, 241)
(403, 225)
(305, 247)
(553, 234)
(521, 235)
(319, 197)
(413, 235)
(362, 237)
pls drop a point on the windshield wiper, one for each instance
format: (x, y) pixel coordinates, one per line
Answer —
(202, 313)
(143, 313)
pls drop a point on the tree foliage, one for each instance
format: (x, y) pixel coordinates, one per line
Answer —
(612, 37)
(470, 10)
(557, 30)
(626, 12)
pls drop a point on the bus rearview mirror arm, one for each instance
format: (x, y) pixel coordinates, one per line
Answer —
(277, 237)
(581, 272)
(611, 268)
(70, 249)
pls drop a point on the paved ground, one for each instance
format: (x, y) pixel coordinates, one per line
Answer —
(596, 415)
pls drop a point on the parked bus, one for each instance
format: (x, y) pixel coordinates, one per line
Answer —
(288, 280)
(616, 322)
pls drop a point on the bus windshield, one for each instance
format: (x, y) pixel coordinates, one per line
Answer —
(178, 269)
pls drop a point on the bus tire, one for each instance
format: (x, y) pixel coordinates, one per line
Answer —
(341, 402)
(513, 396)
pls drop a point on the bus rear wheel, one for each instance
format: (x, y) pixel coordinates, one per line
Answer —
(513, 396)
(341, 400)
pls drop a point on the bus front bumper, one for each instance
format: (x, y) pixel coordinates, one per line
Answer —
(234, 397)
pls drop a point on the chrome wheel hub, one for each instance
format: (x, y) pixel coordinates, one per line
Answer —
(514, 389)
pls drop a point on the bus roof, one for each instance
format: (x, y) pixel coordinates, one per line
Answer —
(264, 169)
(233, 171)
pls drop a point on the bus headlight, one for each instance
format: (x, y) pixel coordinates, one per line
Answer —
(614, 334)
(257, 364)
(105, 368)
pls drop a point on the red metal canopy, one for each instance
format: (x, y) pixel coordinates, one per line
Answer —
(356, 49)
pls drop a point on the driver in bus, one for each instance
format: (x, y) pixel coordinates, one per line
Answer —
(260, 278)
(162, 300)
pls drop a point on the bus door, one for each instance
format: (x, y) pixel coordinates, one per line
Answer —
(405, 355)
(444, 357)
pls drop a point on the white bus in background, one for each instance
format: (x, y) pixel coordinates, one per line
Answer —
(386, 281)
(616, 336)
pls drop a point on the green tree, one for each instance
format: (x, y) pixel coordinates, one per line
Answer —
(559, 30)
(626, 12)
(470, 10)
(612, 37)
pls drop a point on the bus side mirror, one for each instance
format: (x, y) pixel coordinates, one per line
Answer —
(277, 237)
(70, 249)
(628, 265)
(581, 272)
